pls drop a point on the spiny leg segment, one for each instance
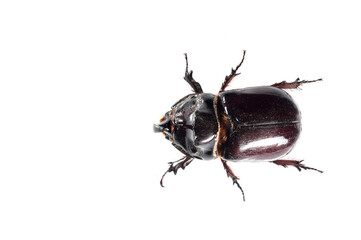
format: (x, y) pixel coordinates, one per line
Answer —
(181, 163)
(188, 76)
(233, 176)
(295, 163)
(234, 73)
(293, 85)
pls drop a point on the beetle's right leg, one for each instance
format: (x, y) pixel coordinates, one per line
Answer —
(189, 79)
(295, 163)
(232, 175)
(293, 85)
(181, 163)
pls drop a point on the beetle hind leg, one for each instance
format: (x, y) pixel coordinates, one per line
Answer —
(181, 163)
(295, 163)
(233, 176)
(293, 85)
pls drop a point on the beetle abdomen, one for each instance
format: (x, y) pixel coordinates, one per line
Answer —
(257, 123)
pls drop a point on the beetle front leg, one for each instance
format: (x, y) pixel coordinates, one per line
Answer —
(181, 163)
(296, 164)
(233, 176)
(293, 85)
(188, 76)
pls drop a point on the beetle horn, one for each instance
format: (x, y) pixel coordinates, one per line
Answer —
(157, 128)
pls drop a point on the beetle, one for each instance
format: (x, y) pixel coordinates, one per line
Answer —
(250, 124)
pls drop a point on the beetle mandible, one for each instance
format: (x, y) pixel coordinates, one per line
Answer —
(250, 124)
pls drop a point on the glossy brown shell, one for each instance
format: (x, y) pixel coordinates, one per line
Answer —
(256, 123)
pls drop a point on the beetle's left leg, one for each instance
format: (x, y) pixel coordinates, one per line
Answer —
(296, 164)
(181, 163)
(188, 76)
(234, 73)
(232, 175)
(293, 85)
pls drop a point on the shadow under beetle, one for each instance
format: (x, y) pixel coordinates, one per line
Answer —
(251, 124)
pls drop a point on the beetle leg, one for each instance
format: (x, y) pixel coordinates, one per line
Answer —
(293, 85)
(234, 73)
(188, 76)
(232, 175)
(181, 163)
(296, 164)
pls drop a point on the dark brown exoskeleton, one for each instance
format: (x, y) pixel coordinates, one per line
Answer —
(250, 124)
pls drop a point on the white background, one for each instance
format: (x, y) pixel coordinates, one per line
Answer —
(82, 82)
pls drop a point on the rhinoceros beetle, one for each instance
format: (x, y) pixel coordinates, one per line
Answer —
(250, 124)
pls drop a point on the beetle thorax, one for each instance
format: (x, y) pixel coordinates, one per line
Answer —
(192, 126)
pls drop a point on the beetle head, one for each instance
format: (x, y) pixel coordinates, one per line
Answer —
(165, 125)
